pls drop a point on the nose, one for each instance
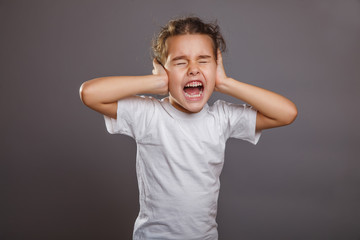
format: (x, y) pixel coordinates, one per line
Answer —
(193, 69)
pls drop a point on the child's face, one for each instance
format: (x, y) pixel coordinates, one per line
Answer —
(191, 68)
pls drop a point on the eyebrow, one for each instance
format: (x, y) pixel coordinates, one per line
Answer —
(204, 56)
(179, 58)
(184, 57)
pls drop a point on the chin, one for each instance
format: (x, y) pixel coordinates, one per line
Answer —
(185, 105)
(195, 107)
(192, 106)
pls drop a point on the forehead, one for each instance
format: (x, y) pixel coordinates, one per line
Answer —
(189, 45)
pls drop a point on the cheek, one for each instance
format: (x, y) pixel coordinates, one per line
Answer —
(173, 81)
(174, 77)
(210, 75)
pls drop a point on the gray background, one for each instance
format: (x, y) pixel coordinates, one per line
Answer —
(64, 177)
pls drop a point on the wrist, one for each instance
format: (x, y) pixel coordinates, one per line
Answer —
(225, 85)
(158, 84)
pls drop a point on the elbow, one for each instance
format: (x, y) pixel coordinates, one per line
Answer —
(85, 93)
(291, 115)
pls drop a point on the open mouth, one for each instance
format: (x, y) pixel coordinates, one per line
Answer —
(193, 90)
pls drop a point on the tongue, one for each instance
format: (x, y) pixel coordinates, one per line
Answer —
(192, 90)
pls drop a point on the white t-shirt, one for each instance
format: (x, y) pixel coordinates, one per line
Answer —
(179, 159)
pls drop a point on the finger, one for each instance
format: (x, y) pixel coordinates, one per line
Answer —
(219, 56)
(155, 63)
(156, 66)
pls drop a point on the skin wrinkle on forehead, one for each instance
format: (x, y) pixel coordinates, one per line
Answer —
(166, 47)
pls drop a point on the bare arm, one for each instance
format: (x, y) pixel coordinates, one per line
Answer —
(273, 109)
(102, 94)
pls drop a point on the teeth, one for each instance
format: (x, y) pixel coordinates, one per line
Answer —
(193, 96)
(193, 84)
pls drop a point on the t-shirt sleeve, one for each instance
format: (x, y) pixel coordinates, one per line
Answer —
(239, 121)
(133, 116)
